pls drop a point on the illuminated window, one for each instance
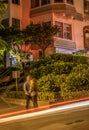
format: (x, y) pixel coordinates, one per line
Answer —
(34, 3)
(16, 22)
(16, 2)
(64, 30)
(87, 40)
(44, 2)
(86, 6)
(59, 0)
(70, 1)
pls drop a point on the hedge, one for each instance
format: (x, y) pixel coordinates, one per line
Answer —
(50, 96)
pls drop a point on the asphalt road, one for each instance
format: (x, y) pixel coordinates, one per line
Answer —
(70, 119)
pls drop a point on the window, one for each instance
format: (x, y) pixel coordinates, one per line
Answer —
(67, 31)
(16, 22)
(64, 30)
(59, 0)
(34, 3)
(86, 6)
(44, 2)
(16, 2)
(60, 27)
(87, 40)
(70, 1)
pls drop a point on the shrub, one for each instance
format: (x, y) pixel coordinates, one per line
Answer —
(57, 68)
(62, 67)
(74, 95)
(77, 80)
(50, 83)
(70, 58)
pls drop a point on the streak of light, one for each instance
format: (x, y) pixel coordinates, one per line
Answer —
(43, 107)
(47, 111)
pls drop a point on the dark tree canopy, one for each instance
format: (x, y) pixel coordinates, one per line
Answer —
(41, 34)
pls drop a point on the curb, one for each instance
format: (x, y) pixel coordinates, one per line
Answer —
(43, 107)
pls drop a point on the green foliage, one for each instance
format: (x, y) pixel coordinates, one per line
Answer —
(79, 68)
(35, 73)
(18, 66)
(41, 34)
(57, 68)
(3, 7)
(62, 67)
(15, 94)
(60, 75)
(12, 35)
(50, 83)
(77, 80)
(74, 95)
(70, 58)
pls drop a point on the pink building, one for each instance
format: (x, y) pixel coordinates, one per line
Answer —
(71, 16)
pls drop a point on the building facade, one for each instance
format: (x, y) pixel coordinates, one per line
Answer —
(17, 13)
(71, 17)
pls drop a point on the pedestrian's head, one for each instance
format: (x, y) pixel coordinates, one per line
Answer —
(28, 78)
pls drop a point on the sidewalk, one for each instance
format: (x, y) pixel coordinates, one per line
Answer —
(19, 109)
(6, 107)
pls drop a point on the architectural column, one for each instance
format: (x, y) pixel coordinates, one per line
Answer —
(10, 12)
(40, 2)
(65, 1)
(52, 1)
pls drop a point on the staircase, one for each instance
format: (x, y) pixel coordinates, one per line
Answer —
(5, 78)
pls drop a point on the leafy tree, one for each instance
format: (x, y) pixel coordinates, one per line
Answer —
(12, 35)
(41, 35)
(15, 43)
(2, 11)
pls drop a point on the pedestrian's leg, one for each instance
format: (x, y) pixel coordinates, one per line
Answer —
(27, 101)
(34, 100)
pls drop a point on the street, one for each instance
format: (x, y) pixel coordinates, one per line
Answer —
(70, 119)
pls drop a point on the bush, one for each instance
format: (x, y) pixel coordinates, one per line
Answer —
(57, 68)
(74, 95)
(62, 67)
(15, 94)
(50, 83)
(77, 80)
(70, 58)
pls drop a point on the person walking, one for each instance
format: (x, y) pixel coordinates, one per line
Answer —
(26, 88)
(33, 92)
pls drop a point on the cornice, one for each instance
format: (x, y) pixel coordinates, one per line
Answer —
(56, 8)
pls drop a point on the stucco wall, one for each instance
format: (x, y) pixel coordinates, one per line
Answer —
(79, 5)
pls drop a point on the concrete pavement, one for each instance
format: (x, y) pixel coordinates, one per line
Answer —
(8, 109)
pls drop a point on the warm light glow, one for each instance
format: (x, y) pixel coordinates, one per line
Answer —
(48, 111)
(44, 110)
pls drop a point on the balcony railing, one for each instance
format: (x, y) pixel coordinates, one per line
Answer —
(64, 43)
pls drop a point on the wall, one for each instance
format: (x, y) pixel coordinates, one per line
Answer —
(25, 13)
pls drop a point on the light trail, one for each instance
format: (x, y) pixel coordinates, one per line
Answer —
(48, 111)
(44, 107)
